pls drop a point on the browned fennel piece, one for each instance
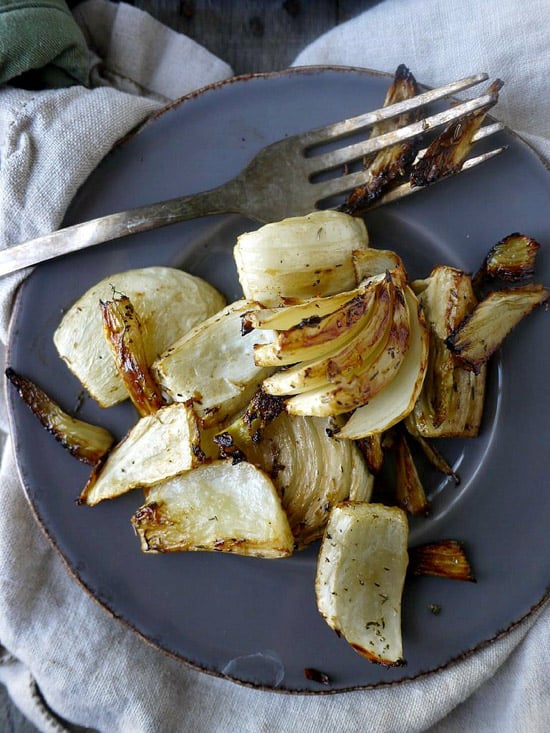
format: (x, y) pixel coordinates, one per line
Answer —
(443, 559)
(482, 332)
(435, 457)
(123, 331)
(446, 155)
(396, 401)
(511, 260)
(311, 470)
(409, 490)
(317, 335)
(362, 347)
(355, 381)
(89, 443)
(452, 398)
(360, 577)
(389, 166)
(372, 448)
(216, 507)
(158, 294)
(157, 447)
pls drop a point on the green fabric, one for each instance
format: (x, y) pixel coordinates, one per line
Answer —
(41, 45)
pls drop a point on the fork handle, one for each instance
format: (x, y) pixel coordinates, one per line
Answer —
(221, 200)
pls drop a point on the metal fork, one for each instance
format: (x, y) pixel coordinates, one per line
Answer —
(277, 183)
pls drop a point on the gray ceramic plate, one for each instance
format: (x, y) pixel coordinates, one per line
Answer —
(256, 620)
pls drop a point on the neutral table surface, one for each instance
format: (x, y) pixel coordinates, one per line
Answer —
(251, 36)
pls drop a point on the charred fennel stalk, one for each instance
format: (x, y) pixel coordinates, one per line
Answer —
(89, 443)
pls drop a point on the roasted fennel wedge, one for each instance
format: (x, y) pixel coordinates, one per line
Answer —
(317, 335)
(409, 490)
(218, 507)
(359, 376)
(124, 334)
(372, 335)
(443, 559)
(452, 398)
(283, 317)
(390, 165)
(510, 260)
(446, 155)
(362, 346)
(157, 447)
(300, 257)
(479, 335)
(159, 295)
(311, 470)
(213, 365)
(398, 398)
(89, 443)
(361, 572)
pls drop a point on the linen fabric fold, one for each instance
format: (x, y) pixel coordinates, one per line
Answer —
(68, 663)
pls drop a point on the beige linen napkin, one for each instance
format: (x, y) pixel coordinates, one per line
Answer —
(67, 657)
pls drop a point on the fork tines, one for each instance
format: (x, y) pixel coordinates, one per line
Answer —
(393, 164)
(364, 121)
(407, 188)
